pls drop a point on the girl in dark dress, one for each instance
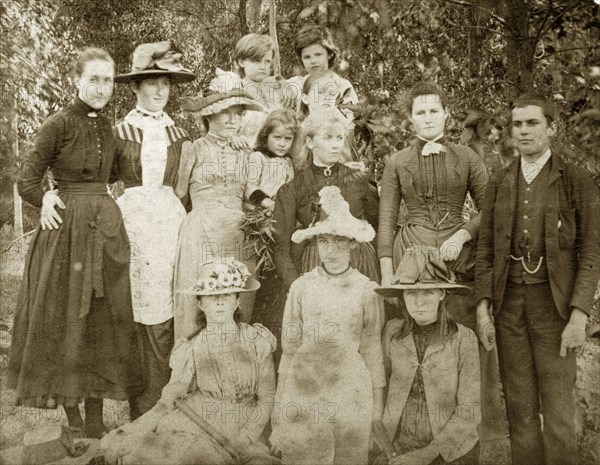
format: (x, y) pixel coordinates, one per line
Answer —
(74, 336)
(296, 206)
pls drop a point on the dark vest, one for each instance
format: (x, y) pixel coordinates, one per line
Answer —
(528, 236)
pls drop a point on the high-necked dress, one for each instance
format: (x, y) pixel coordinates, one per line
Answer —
(332, 360)
(296, 207)
(227, 379)
(215, 176)
(148, 149)
(74, 334)
(433, 391)
(434, 189)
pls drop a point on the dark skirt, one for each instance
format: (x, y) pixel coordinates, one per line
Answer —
(74, 335)
(362, 258)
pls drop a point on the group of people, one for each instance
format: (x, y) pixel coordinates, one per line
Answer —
(150, 298)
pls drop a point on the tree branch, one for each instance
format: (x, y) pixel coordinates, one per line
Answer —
(568, 8)
(590, 47)
(498, 18)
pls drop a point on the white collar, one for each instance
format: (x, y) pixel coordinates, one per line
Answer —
(530, 170)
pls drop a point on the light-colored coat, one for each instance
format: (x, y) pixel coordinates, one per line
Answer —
(451, 379)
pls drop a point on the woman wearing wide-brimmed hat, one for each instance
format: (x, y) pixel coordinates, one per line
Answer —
(331, 375)
(147, 152)
(224, 373)
(216, 178)
(432, 408)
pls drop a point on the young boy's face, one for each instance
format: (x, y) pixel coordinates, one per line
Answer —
(257, 71)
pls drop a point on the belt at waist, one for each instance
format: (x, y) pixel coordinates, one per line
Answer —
(84, 188)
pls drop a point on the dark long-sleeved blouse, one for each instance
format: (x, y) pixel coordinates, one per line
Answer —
(77, 147)
(434, 189)
(294, 209)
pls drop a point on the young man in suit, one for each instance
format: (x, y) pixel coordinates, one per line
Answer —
(537, 268)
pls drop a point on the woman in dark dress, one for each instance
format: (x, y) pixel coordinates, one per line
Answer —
(74, 336)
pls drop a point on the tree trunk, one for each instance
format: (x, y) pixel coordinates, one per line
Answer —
(17, 202)
(520, 47)
(474, 51)
(242, 17)
(273, 33)
(253, 14)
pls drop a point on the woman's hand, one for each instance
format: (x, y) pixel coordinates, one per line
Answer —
(415, 457)
(49, 217)
(268, 203)
(451, 248)
(239, 143)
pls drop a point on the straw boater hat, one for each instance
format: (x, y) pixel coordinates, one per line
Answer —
(226, 276)
(422, 267)
(224, 91)
(52, 445)
(336, 220)
(154, 60)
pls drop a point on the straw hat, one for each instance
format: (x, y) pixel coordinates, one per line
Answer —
(422, 267)
(336, 220)
(51, 445)
(225, 276)
(224, 91)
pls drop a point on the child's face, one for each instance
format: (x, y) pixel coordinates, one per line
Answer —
(257, 71)
(327, 144)
(315, 58)
(227, 123)
(322, 93)
(279, 140)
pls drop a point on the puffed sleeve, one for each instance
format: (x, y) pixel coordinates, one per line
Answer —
(186, 165)
(264, 343)
(182, 375)
(370, 338)
(46, 147)
(460, 434)
(478, 179)
(389, 205)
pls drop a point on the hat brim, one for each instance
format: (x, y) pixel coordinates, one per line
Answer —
(352, 228)
(221, 105)
(251, 286)
(176, 76)
(396, 289)
(14, 455)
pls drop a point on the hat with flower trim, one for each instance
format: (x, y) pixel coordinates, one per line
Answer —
(336, 219)
(226, 276)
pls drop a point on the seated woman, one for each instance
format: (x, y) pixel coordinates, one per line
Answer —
(224, 373)
(331, 375)
(432, 364)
